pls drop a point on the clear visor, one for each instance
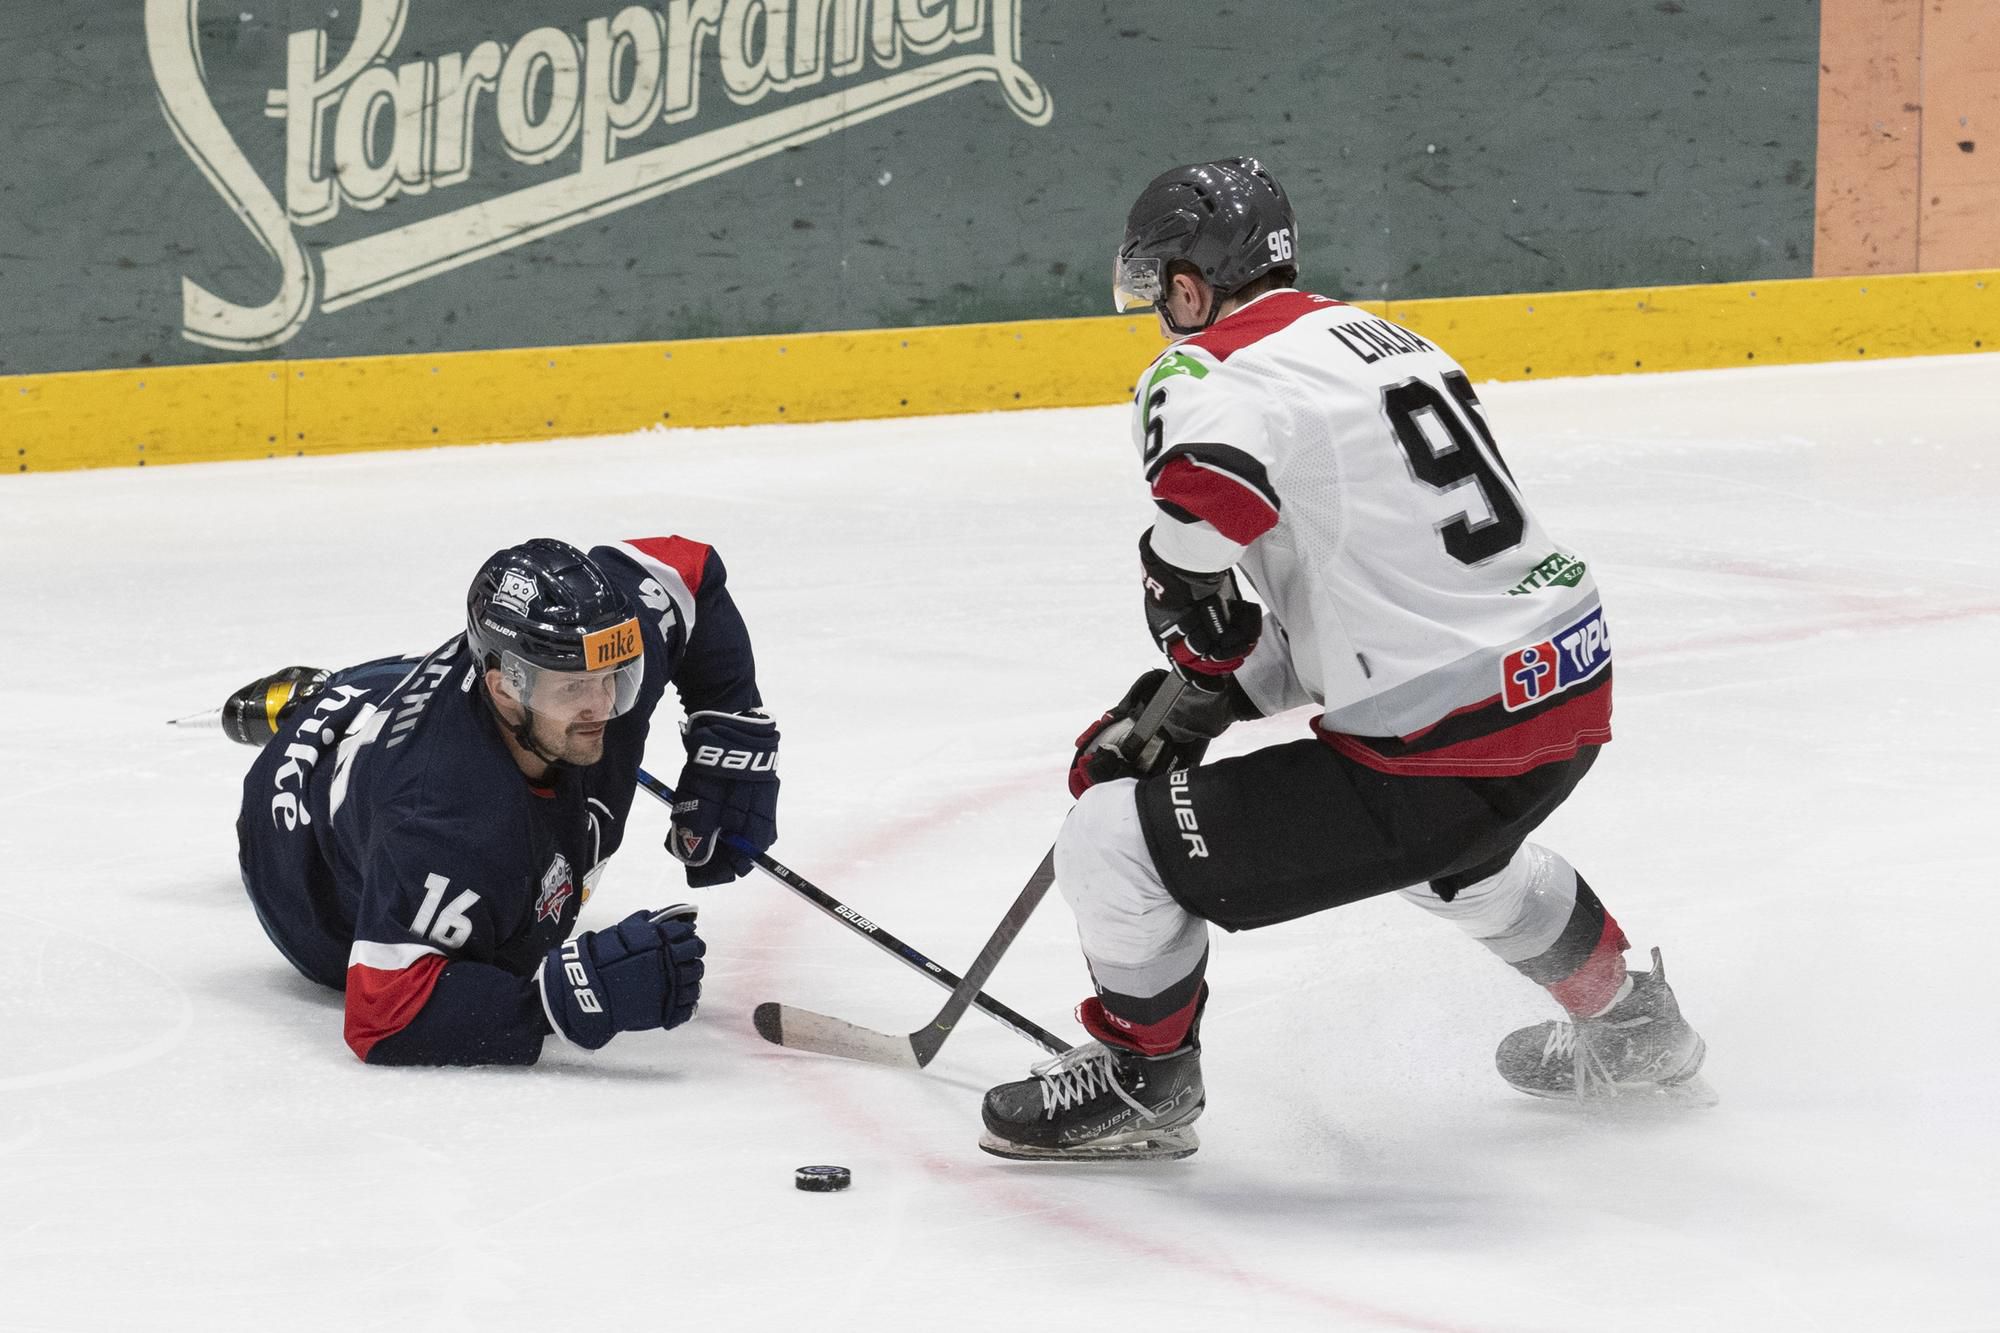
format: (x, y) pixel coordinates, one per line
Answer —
(567, 697)
(1135, 282)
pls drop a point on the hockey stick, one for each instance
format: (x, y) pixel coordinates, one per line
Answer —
(806, 1030)
(768, 1016)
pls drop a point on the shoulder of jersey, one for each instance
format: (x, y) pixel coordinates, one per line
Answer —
(452, 771)
(1254, 323)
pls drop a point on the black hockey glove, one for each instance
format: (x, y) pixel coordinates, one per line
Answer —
(727, 792)
(1197, 619)
(644, 972)
(1106, 749)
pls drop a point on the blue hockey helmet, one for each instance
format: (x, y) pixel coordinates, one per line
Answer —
(555, 626)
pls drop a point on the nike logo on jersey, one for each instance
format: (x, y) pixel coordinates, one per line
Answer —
(301, 753)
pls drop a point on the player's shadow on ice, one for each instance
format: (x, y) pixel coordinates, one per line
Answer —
(262, 990)
(277, 997)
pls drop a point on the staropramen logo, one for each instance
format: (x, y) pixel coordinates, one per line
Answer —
(362, 127)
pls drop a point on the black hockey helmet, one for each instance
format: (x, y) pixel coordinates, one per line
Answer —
(543, 609)
(1229, 219)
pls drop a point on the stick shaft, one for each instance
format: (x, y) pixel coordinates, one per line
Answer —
(804, 1029)
(926, 1040)
(882, 939)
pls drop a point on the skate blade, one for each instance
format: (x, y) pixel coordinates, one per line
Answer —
(210, 720)
(1638, 1097)
(1168, 1145)
(1695, 1091)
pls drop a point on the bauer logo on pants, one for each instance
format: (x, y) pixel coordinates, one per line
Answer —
(1184, 816)
(1569, 657)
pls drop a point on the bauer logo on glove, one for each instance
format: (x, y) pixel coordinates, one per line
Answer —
(731, 761)
(727, 811)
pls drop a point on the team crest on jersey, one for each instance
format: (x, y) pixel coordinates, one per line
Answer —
(1570, 656)
(557, 887)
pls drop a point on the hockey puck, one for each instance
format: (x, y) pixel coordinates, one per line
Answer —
(822, 1179)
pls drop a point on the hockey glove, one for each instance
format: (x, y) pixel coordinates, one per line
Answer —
(1107, 749)
(644, 972)
(1197, 619)
(728, 791)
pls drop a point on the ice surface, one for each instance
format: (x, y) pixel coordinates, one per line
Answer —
(1800, 565)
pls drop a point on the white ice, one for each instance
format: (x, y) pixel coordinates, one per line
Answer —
(1801, 568)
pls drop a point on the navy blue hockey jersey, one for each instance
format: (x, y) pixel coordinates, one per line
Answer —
(393, 848)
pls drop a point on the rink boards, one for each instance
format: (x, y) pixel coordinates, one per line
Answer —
(201, 413)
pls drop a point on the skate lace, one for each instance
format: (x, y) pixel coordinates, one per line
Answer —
(1077, 1075)
(1593, 1075)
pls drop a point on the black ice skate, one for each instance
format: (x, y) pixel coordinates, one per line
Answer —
(254, 713)
(1639, 1048)
(1099, 1103)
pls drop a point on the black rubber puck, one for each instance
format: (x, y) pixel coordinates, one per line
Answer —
(822, 1179)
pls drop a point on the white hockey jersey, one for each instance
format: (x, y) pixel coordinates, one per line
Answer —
(1345, 467)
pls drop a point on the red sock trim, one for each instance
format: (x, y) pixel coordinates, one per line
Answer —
(1591, 987)
(1146, 1038)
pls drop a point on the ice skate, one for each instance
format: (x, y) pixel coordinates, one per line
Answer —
(1099, 1103)
(1641, 1048)
(253, 714)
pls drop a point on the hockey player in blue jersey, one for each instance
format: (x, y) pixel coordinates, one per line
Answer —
(420, 832)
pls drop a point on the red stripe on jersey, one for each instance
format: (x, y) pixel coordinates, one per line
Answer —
(1542, 739)
(1225, 502)
(381, 1003)
(687, 559)
(1258, 320)
(1589, 990)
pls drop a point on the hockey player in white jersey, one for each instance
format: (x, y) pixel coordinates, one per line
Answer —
(1457, 652)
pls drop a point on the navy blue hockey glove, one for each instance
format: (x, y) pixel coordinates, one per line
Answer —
(644, 972)
(1107, 749)
(1197, 619)
(728, 794)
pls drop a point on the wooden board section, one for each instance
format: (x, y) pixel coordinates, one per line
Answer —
(1959, 212)
(1870, 101)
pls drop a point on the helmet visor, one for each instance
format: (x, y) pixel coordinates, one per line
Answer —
(573, 696)
(1136, 281)
(566, 697)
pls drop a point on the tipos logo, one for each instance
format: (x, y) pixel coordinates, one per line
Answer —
(360, 130)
